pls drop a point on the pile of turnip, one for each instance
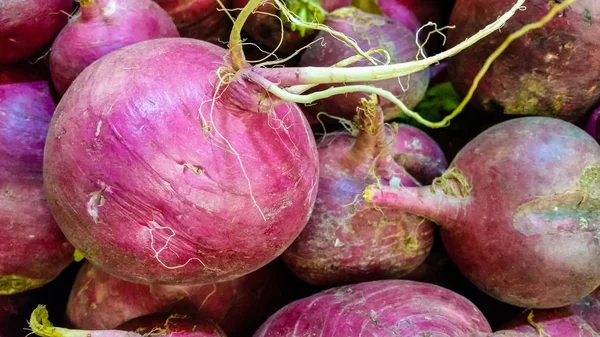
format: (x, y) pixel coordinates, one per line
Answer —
(280, 168)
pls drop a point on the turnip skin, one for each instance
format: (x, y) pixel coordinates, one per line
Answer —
(493, 203)
(100, 27)
(148, 190)
(384, 308)
(199, 19)
(33, 250)
(536, 74)
(99, 301)
(27, 26)
(174, 325)
(369, 31)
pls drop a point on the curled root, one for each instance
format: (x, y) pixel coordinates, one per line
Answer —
(536, 326)
(452, 183)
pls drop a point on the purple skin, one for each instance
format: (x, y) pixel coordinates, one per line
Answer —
(100, 301)
(369, 31)
(33, 251)
(591, 126)
(552, 323)
(551, 72)
(26, 26)
(14, 311)
(100, 27)
(265, 27)
(199, 19)
(345, 242)
(173, 326)
(153, 186)
(411, 13)
(515, 192)
(386, 308)
(419, 154)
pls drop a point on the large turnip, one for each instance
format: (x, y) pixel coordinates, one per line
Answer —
(100, 27)
(26, 26)
(519, 211)
(199, 19)
(369, 31)
(174, 161)
(553, 71)
(33, 251)
(388, 308)
(100, 301)
(345, 242)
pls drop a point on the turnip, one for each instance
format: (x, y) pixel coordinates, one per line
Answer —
(100, 301)
(383, 308)
(518, 210)
(33, 251)
(174, 161)
(173, 325)
(369, 31)
(199, 19)
(155, 325)
(269, 27)
(345, 242)
(535, 75)
(28, 26)
(100, 27)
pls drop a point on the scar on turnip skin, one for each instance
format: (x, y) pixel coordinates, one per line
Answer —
(95, 202)
(165, 246)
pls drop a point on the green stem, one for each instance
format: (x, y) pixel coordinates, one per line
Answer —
(235, 39)
(306, 10)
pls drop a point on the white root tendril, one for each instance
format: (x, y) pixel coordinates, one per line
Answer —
(165, 246)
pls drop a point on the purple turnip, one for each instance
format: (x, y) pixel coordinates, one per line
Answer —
(558, 322)
(413, 14)
(33, 251)
(27, 26)
(173, 325)
(344, 242)
(174, 161)
(369, 31)
(536, 75)
(592, 124)
(378, 308)
(100, 27)
(167, 325)
(519, 211)
(199, 19)
(100, 301)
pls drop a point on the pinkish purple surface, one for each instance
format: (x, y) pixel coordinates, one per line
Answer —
(26, 26)
(389, 308)
(101, 27)
(155, 186)
(31, 244)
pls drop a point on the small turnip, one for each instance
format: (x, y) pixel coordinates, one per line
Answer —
(519, 211)
(28, 26)
(33, 250)
(345, 242)
(100, 27)
(369, 31)
(99, 301)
